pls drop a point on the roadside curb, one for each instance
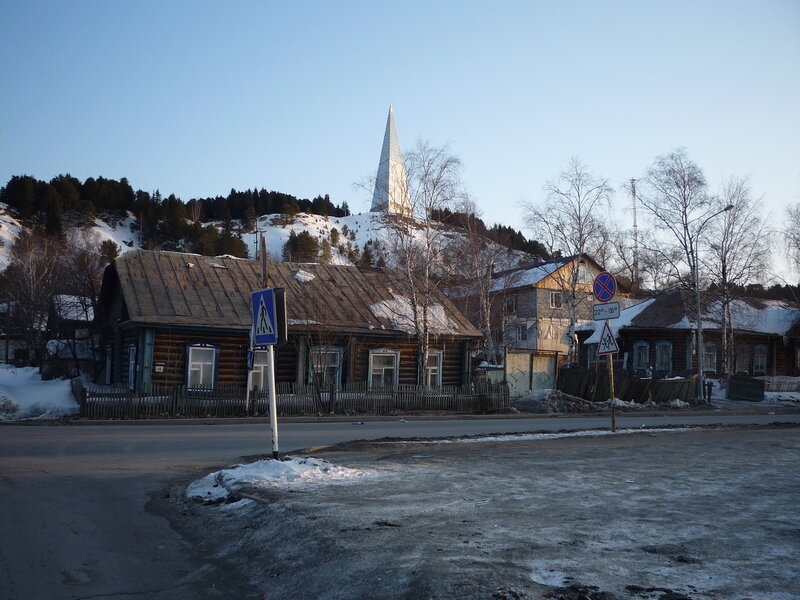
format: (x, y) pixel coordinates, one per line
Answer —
(338, 419)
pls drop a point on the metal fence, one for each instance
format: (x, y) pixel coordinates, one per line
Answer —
(292, 400)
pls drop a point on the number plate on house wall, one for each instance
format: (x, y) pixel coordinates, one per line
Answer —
(609, 310)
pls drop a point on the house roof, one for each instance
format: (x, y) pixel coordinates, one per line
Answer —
(532, 274)
(172, 288)
(674, 309)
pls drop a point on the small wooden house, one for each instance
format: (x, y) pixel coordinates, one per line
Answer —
(184, 319)
(657, 336)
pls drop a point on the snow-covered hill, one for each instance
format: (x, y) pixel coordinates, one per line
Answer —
(353, 232)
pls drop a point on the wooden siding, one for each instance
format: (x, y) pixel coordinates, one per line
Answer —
(291, 366)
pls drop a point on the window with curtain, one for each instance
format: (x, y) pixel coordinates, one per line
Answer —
(760, 360)
(641, 355)
(710, 357)
(325, 366)
(383, 365)
(433, 372)
(664, 356)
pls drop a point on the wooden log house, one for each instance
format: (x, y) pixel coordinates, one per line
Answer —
(657, 337)
(170, 318)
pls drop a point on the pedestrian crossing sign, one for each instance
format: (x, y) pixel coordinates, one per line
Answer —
(608, 343)
(264, 319)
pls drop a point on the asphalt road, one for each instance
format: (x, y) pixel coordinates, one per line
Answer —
(73, 518)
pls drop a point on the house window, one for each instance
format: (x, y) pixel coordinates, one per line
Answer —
(664, 356)
(584, 276)
(433, 372)
(132, 367)
(555, 299)
(258, 376)
(511, 304)
(325, 366)
(201, 366)
(742, 358)
(109, 356)
(709, 357)
(641, 355)
(760, 360)
(593, 359)
(383, 368)
(522, 332)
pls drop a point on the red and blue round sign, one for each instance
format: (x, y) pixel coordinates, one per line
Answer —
(605, 286)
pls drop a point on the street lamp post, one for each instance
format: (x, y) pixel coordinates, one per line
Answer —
(699, 317)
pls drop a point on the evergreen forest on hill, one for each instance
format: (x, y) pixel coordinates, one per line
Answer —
(169, 223)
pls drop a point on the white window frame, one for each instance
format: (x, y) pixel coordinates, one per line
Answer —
(592, 356)
(741, 354)
(636, 362)
(710, 357)
(383, 352)
(556, 300)
(522, 332)
(660, 365)
(511, 303)
(259, 377)
(760, 354)
(433, 374)
(131, 367)
(325, 350)
(204, 367)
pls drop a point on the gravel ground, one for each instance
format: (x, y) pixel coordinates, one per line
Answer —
(693, 514)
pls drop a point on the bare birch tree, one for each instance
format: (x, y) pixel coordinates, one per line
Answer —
(675, 198)
(737, 253)
(32, 278)
(432, 183)
(481, 295)
(570, 221)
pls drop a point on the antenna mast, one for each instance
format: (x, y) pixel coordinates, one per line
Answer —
(635, 238)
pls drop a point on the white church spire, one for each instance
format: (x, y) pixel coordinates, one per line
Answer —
(391, 183)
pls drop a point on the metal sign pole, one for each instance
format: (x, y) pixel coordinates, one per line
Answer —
(273, 400)
(611, 389)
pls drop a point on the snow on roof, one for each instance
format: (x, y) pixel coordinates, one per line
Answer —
(304, 276)
(400, 314)
(73, 308)
(667, 310)
(625, 317)
(528, 276)
(774, 316)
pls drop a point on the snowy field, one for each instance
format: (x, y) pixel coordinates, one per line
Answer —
(23, 395)
(706, 514)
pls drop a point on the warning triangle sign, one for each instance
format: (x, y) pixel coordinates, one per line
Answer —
(608, 344)
(263, 322)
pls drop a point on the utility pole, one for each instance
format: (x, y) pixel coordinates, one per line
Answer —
(635, 239)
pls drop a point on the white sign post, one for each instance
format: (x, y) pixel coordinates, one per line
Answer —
(604, 288)
(265, 328)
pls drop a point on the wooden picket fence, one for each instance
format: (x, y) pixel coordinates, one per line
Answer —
(228, 400)
(592, 385)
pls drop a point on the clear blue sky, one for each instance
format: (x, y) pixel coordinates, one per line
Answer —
(195, 98)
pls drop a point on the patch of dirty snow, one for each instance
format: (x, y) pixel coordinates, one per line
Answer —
(524, 437)
(289, 474)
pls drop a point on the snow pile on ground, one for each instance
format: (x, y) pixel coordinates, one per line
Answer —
(288, 474)
(23, 395)
(525, 437)
(782, 398)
